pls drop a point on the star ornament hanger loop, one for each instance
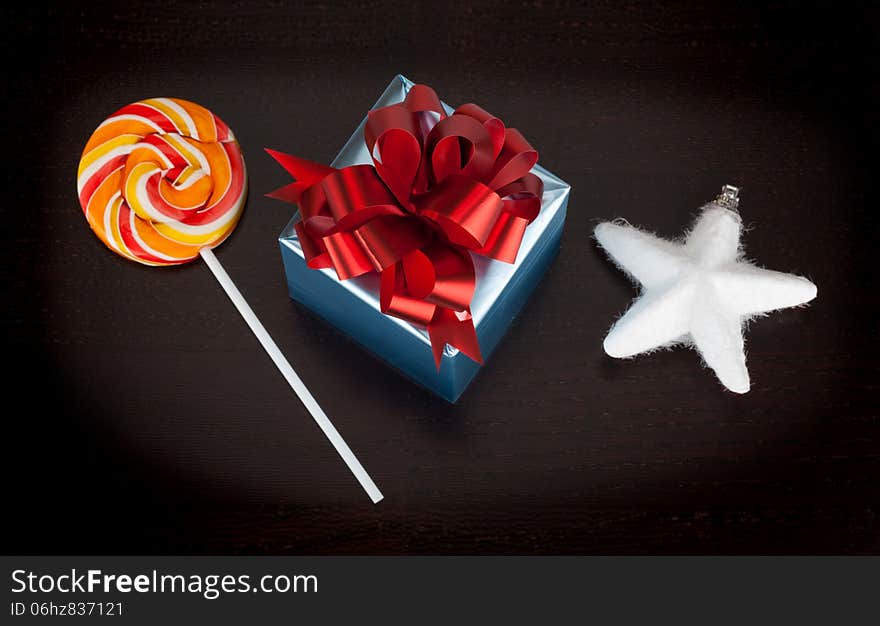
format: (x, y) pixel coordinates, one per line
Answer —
(699, 291)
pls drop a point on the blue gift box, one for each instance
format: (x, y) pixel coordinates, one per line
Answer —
(501, 288)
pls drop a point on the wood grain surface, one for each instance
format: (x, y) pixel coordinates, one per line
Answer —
(142, 417)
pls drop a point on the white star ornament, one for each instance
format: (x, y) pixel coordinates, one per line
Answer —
(698, 292)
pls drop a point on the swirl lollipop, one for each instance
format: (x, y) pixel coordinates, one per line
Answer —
(162, 182)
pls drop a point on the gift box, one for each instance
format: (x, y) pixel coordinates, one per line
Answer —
(501, 289)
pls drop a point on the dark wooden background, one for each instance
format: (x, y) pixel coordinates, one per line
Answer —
(142, 417)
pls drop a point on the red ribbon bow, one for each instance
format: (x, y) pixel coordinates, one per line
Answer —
(440, 187)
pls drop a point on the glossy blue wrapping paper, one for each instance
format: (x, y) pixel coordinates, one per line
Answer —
(501, 288)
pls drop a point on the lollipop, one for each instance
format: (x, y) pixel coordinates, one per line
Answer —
(162, 182)
(161, 179)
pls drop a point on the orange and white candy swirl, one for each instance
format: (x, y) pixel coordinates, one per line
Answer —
(160, 179)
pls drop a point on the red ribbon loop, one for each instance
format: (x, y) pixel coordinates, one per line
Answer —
(355, 195)
(440, 189)
(460, 145)
(464, 209)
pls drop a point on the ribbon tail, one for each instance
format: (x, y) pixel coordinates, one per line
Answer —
(301, 169)
(306, 173)
(448, 328)
(289, 193)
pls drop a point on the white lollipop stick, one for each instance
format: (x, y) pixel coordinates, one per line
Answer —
(291, 376)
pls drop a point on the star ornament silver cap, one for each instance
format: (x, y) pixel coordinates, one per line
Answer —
(698, 291)
(728, 198)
